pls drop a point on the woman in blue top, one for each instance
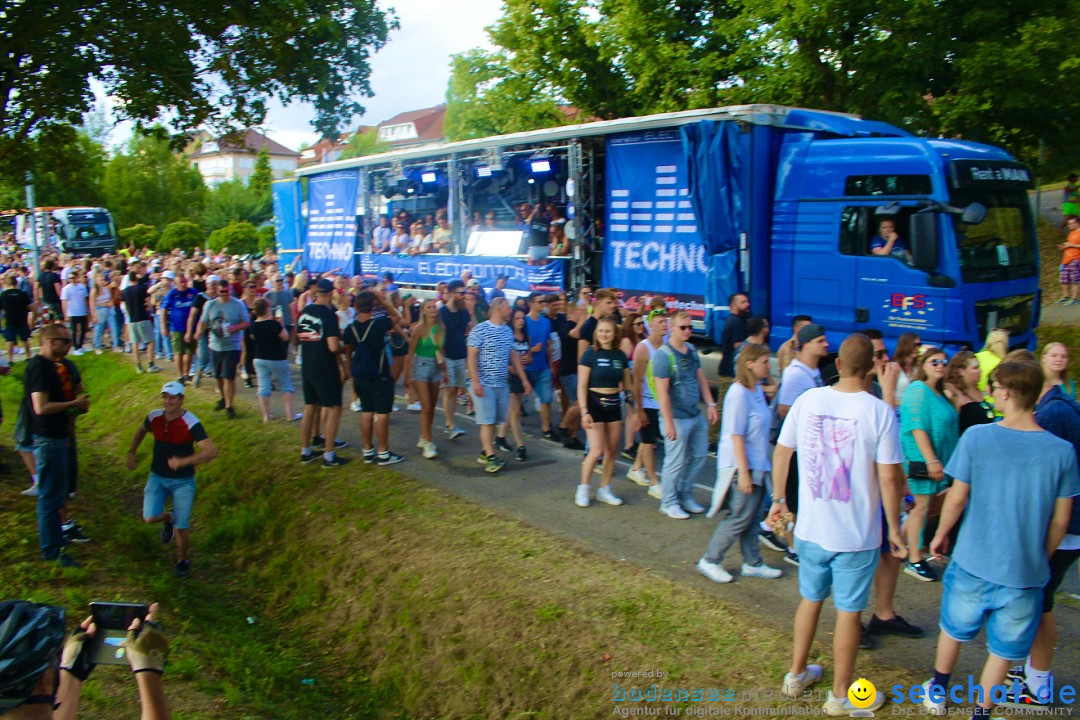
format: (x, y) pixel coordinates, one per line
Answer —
(743, 460)
(929, 428)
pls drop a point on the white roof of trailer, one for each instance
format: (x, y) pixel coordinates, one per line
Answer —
(757, 114)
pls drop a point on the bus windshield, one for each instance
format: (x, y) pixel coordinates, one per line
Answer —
(1002, 246)
(89, 231)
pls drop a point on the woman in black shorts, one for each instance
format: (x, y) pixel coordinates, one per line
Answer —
(603, 375)
(517, 390)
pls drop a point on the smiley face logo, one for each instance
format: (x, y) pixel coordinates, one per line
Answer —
(862, 693)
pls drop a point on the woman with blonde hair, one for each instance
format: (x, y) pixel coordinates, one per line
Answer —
(906, 356)
(742, 460)
(425, 369)
(962, 390)
(1055, 365)
(994, 349)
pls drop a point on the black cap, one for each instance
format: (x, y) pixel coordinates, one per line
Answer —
(810, 332)
(501, 277)
(324, 286)
(388, 276)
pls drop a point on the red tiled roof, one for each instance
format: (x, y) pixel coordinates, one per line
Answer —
(428, 123)
(253, 142)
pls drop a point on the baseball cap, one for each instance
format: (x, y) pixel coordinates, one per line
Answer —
(173, 388)
(213, 279)
(324, 286)
(501, 276)
(455, 285)
(169, 274)
(810, 332)
(474, 281)
(388, 276)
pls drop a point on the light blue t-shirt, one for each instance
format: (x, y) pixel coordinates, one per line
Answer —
(219, 314)
(923, 409)
(797, 379)
(1015, 478)
(746, 413)
(685, 392)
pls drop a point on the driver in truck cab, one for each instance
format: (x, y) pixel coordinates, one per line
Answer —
(889, 242)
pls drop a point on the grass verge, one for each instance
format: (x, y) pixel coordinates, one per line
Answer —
(370, 595)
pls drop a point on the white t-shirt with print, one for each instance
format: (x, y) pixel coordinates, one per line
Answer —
(840, 437)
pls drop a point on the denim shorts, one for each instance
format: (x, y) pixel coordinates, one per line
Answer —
(270, 371)
(1011, 615)
(426, 369)
(569, 386)
(158, 488)
(456, 375)
(491, 408)
(848, 575)
(541, 383)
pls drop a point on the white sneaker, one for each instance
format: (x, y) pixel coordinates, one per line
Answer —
(355, 406)
(638, 475)
(581, 498)
(795, 684)
(605, 495)
(414, 407)
(76, 352)
(99, 352)
(421, 443)
(31, 491)
(691, 506)
(713, 571)
(153, 368)
(430, 451)
(675, 512)
(760, 571)
(656, 491)
(933, 708)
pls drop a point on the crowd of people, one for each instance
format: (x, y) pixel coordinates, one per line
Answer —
(866, 464)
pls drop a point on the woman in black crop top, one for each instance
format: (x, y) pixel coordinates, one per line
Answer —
(603, 374)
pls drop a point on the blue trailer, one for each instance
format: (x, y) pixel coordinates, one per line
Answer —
(782, 203)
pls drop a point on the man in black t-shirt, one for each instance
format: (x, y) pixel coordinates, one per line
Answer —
(140, 327)
(16, 306)
(457, 324)
(324, 372)
(48, 289)
(365, 351)
(53, 397)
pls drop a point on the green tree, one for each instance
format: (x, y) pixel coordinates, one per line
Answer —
(241, 238)
(233, 201)
(204, 64)
(365, 141)
(139, 236)
(150, 184)
(263, 176)
(67, 165)
(183, 235)
(267, 238)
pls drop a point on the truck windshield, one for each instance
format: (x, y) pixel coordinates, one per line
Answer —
(1002, 246)
(89, 231)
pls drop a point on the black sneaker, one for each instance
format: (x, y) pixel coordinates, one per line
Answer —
(493, 464)
(183, 569)
(370, 456)
(230, 413)
(167, 530)
(922, 571)
(550, 435)
(1027, 697)
(630, 453)
(74, 534)
(573, 444)
(771, 541)
(501, 444)
(522, 454)
(314, 455)
(791, 557)
(338, 444)
(338, 461)
(65, 560)
(866, 640)
(1017, 672)
(220, 404)
(318, 441)
(388, 458)
(896, 626)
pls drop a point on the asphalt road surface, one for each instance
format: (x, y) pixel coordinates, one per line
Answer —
(540, 492)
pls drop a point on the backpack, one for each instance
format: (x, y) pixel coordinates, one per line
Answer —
(364, 365)
(650, 380)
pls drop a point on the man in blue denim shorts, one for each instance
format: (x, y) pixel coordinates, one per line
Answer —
(1021, 510)
(172, 470)
(850, 466)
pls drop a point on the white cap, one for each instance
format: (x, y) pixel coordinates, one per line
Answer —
(169, 274)
(213, 279)
(173, 388)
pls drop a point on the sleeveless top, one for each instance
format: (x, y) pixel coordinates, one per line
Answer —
(647, 400)
(427, 347)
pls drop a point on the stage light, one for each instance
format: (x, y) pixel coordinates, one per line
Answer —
(483, 171)
(427, 177)
(540, 165)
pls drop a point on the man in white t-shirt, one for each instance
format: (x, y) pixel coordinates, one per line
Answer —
(850, 464)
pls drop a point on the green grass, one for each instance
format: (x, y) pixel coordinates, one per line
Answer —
(371, 595)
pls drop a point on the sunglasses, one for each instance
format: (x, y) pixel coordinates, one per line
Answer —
(63, 340)
(685, 327)
(938, 362)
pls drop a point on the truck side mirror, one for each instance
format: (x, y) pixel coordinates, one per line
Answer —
(924, 241)
(973, 214)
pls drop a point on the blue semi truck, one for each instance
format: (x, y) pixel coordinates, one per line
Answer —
(783, 203)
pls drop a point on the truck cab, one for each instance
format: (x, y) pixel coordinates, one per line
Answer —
(965, 260)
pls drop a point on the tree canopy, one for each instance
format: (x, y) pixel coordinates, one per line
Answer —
(992, 72)
(200, 63)
(150, 184)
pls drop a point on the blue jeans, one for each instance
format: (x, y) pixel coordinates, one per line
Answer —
(162, 341)
(683, 459)
(51, 456)
(204, 363)
(106, 317)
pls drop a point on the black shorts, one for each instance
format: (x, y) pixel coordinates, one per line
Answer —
(604, 407)
(516, 388)
(225, 362)
(324, 389)
(1060, 562)
(399, 346)
(375, 396)
(17, 333)
(651, 433)
(792, 489)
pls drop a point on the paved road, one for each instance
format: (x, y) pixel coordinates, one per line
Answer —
(540, 492)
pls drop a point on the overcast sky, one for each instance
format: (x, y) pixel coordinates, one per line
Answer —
(410, 72)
